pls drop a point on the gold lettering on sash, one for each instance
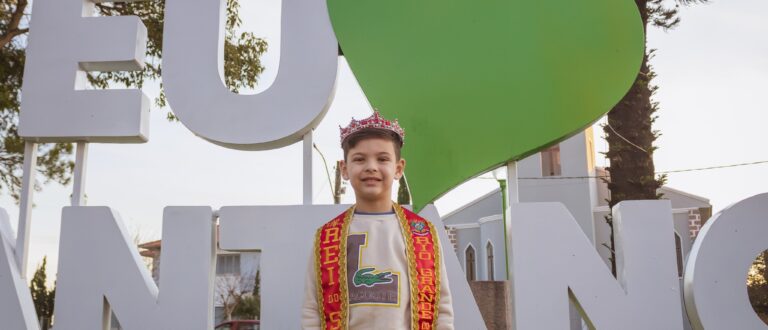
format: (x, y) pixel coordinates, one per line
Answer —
(425, 310)
(427, 280)
(331, 273)
(331, 254)
(335, 320)
(427, 288)
(423, 242)
(425, 326)
(426, 297)
(424, 255)
(331, 232)
(426, 272)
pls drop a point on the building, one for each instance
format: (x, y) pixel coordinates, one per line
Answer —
(564, 173)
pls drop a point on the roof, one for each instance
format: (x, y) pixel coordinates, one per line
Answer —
(473, 202)
(150, 253)
(686, 194)
(153, 245)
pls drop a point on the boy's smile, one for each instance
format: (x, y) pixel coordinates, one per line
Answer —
(371, 167)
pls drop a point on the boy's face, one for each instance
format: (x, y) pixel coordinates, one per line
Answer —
(370, 167)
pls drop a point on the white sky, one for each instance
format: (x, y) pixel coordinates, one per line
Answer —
(712, 72)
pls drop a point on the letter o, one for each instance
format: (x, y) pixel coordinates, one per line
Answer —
(715, 276)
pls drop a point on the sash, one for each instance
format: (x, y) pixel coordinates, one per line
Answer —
(423, 255)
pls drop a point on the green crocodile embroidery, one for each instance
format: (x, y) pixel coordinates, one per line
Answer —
(367, 277)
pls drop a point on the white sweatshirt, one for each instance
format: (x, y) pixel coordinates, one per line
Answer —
(377, 278)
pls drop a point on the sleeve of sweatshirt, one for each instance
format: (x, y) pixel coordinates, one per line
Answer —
(445, 309)
(310, 313)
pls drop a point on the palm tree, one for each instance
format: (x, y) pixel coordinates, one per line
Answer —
(629, 129)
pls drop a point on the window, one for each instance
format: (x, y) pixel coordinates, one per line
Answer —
(228, 264)
(550, 161)
(469, 261)
(489, 252)
(679, 253)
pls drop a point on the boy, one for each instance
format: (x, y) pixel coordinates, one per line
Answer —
(377, 265)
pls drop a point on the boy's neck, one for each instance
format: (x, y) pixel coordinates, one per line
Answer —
(374, 206)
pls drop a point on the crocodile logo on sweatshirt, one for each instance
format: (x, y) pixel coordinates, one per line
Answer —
(369, 285)
(369, 277)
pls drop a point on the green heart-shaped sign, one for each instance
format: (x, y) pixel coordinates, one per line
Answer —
(478, 83)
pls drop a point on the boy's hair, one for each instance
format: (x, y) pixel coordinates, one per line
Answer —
(372, 133)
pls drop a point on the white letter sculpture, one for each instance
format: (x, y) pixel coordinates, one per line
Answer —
(193, 57)
(551, 258)
(716, 273)
(16, 308)
(285, 234)
(100, 267)
(66, 43)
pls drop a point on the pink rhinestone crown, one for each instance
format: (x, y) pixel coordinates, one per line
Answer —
(374, 121)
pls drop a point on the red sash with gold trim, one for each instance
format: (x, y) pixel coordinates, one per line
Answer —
(423, 254)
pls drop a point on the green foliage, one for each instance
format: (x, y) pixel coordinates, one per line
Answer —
(42, 297)
(249, 306)
(403, 194)
(629, 129)
(242, 51)
(757, 285)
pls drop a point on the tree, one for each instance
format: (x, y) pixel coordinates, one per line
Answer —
(249, 307)
(242, 68)
(42, 297)
(338, 187)
(232, 289)
(629, 130)
(757, 286)
(403, 193)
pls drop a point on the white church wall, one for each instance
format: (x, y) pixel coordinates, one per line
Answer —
(465, 237)
(578, 195)
(492, 231)
(681, 199)
(486, 205)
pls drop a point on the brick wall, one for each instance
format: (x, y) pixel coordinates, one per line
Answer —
(694, 223)
(492, 298)
(452, 237)
(697, 219)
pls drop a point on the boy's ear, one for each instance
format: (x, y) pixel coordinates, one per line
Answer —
(399, 169)
(343, 165)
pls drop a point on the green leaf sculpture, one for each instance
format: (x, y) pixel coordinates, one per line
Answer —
(476, 84)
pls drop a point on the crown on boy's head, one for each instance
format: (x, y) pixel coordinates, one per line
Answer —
(374, 121)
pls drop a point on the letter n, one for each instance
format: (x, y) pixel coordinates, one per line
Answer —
(551, 259)
(100, 269)
(16, 308)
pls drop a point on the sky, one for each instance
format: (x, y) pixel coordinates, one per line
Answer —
(712, 71)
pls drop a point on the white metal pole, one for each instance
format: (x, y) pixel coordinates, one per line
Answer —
(25, 206)
(78, 190)
(513, 194)
(308, 169)
(513, 197)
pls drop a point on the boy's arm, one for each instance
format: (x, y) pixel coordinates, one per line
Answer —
(310, 313)
(445, 309)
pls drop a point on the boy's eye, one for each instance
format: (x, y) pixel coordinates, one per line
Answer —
(384, 159)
